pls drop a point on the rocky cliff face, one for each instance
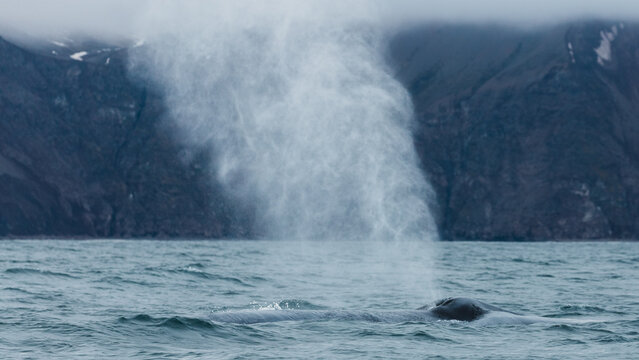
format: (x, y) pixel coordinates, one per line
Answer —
(84, 152)
(524, 135)
(528, 134)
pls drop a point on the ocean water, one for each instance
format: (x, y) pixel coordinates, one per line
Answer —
(169, 300)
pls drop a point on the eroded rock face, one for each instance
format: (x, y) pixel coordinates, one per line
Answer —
(528, 134)
(84, 152)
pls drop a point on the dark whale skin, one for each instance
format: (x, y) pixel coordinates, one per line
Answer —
(462, 309)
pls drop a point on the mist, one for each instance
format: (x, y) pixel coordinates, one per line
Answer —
(123, 18)
(307, 126)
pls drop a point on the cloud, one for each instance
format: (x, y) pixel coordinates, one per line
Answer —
(60, 17)
(123, 17)
(522, 11)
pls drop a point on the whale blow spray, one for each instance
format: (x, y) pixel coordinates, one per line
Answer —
(305, 121)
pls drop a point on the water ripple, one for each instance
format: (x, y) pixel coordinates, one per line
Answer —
(30, 271)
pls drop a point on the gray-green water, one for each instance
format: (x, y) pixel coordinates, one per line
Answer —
(149, 300)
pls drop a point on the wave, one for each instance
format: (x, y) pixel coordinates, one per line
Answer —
(174, 322)
(117, 280)
(538, 262)
(587, 309)
(195, 270)
(569, 310)
(29, 271)
(15, 289)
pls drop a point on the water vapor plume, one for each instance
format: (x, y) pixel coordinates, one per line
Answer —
(306, 122)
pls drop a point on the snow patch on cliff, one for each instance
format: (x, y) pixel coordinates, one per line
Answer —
(58, 43)
(571, 51)
(604, 51)
(79, 55)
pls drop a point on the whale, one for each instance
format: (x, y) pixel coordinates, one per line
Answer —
(457, 309)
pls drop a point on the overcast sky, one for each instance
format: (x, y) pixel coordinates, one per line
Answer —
(122, 17)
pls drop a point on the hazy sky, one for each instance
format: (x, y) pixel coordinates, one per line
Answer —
(121, 17)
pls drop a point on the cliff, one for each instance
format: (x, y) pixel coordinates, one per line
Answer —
(84, 152)
(528, 134)
(524, 134)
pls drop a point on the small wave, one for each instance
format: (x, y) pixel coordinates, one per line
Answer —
(538, 262)
(196, 265)
(195, 271)
(562, 327)
(633, 323)
(232, 292)
(137, 318)
(29, 271)
(175, 322)
(116, 280)
(613, 338)
(424, 335)
(630, 261)
(397, 332)
(580, 310)
(186, 323)
(17, 290)
(13, 261)
(565, 342)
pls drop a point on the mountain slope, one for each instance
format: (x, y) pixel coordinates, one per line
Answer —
(528, 134)
(83, 152)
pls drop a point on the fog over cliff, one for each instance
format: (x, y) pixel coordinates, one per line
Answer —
(122, 17)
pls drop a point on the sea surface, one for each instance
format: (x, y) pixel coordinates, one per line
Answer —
(294, 299)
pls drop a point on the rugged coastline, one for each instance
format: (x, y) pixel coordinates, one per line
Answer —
(524, 134)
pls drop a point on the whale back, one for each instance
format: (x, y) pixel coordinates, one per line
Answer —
(462, 309)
